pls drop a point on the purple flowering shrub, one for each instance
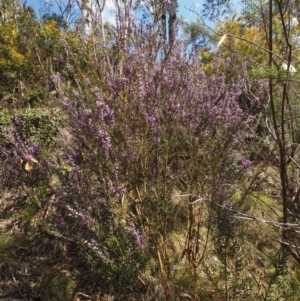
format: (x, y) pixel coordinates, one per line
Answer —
(26, 139)
(134, 131)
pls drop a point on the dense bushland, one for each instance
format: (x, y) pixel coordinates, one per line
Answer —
(146, 177)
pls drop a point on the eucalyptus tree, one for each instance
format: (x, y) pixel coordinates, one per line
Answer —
(66, 10)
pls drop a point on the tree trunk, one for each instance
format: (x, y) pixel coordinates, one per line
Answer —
(172, 19)
(86, 9)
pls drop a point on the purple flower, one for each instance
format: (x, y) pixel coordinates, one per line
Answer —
(140, 238)
(34, 150)
(59, 58)
(246, 164)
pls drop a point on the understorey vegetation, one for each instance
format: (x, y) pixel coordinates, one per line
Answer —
(140, 167)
